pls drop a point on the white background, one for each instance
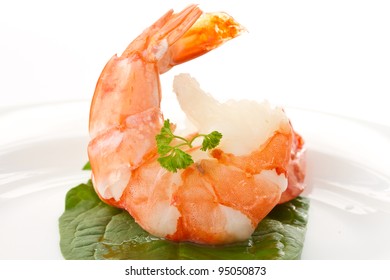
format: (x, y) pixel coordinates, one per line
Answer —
(330, 56)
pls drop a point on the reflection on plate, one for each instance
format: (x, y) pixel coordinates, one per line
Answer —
(44, 149)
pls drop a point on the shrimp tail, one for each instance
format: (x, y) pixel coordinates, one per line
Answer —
(198, 34)
(210, 31)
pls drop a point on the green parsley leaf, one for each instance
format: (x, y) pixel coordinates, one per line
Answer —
(163, 140)
(166, 136)
(177, 159)
(163, 149)
(173, 158)
(211, 140)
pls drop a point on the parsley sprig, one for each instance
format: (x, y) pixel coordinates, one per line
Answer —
(173, 158)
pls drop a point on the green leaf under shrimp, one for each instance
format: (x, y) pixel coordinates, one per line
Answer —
(87, 166)
(91, 229)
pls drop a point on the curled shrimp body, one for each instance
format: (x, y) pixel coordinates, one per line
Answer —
(222, 196)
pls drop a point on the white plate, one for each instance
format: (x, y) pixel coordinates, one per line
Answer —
(43, 148)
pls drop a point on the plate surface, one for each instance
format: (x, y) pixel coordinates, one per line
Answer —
(43, 148)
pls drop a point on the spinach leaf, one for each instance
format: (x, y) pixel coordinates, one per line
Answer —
(91, 229)
(87, 166)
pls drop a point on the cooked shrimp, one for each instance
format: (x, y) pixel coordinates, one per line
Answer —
(296, 170)
(222, 196)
